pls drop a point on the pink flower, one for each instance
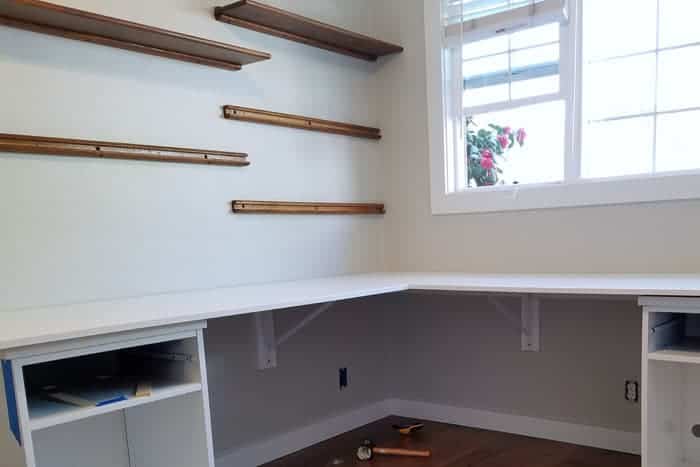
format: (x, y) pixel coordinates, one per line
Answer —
(507, 130)
(520, 136)
(487, 162)
(503, 140)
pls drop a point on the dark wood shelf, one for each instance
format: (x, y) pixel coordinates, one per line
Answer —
(274, 21)
(285, 207)
(246, 114)
(56, 20)
(24, 144)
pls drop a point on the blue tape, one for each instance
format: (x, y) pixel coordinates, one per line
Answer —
(11, 400)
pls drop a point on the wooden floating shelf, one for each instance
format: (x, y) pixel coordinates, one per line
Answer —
(282, 207)
(274, 21)
(56, 20)
(105, 150)
(233, 112)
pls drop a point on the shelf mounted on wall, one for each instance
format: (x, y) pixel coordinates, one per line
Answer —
(71, 23)
(266, 19)
(286, 207)
(246, 114)
(24, 144)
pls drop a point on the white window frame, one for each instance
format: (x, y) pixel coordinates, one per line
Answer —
(572, 192)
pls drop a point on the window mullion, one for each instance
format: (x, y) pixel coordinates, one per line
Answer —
(656, 87)
(571, 80)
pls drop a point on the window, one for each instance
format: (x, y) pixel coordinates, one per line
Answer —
(547, 103)
(640, 95)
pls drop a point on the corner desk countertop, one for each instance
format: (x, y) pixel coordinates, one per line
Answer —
(34, 326)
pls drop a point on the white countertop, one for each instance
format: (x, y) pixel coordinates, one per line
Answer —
(26, 327)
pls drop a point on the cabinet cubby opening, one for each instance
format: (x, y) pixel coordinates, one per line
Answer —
(71, 389)
(674, 337)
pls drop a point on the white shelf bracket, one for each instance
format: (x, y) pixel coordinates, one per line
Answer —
(527, 324)
(264, 328)
(266, 337)
(530, 315)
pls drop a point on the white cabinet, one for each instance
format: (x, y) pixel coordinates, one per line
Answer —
(671, 382)
(136, 399)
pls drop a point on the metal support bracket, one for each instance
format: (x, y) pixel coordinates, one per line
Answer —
(527, 324)
(267, 341)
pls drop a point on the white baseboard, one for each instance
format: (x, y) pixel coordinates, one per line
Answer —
(287, 443)
(583, 435)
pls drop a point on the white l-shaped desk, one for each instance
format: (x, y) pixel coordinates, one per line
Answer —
(51, 335)
(27, 327)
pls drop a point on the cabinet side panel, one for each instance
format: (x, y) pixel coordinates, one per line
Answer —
(169, 433)
(691, 414)
(665, 428)
(98, 441)
(12, 453)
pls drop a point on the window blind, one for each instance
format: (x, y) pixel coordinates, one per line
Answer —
(473, 20)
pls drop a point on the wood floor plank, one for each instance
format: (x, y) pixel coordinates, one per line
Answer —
(453, 446)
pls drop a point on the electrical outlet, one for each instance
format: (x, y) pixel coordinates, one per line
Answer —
(343, 378)
(632, 391)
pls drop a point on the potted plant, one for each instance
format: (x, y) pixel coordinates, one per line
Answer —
(487, 149)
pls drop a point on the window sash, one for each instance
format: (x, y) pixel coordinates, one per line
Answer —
(454, 110)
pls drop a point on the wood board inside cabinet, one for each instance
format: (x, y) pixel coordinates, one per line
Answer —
(57, 20)
(266, 19)
(24, 144)
(246, 114)
(287, 207)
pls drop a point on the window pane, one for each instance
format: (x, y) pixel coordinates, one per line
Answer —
(678, 22)
(486, 80)
(619, 87)
(535, 87)
(678, 78)
(491, 46)
(618, 27)
(485, 95)
(535, 56)
(535, 36)
(620, 147)
(540, 159)
(485, 66)
(675, 148)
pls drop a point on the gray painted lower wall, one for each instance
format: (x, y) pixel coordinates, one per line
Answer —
(458, 351)
(250, 406)
(449, 350)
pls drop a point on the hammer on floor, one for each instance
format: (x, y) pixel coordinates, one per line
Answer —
(368, 450)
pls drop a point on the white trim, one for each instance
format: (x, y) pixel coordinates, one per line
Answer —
(582, 435)
(514, 104)
(670, 304)
(670, 186)
(288, 443)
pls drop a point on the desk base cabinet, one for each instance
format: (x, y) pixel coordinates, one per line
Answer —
(136, 399)
(671, 382)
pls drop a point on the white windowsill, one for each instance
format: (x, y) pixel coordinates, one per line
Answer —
(590, 192)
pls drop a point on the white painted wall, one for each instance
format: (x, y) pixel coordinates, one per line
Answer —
(77, 229)
(659, 237)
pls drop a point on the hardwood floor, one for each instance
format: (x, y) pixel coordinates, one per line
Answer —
(453, 446)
